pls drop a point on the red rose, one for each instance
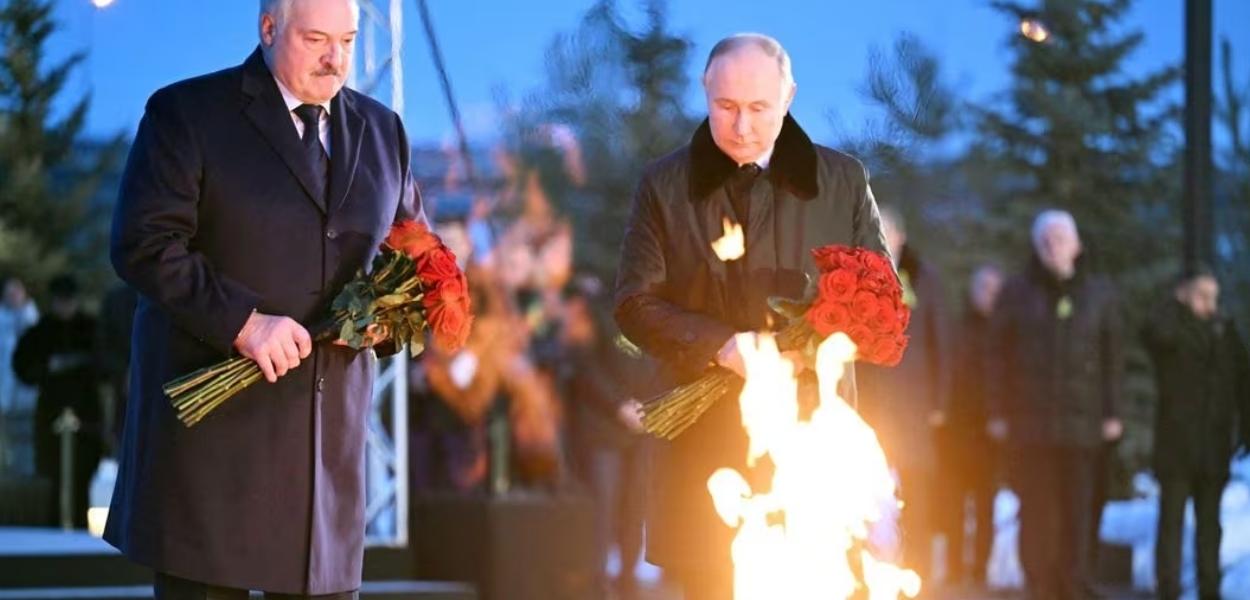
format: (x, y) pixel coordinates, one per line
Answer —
(880, 282)
(860, 334)
(864, 305)
(851, 261)
(838, 286)
(412, 238)
(876, 262)
(888, 322)
(451, 289)
(827, 318)
(437, 264)
(886, 352)
(826, 257)
(450, 323)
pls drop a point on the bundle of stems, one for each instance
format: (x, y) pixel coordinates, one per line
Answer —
(668, 415)
(197, 394)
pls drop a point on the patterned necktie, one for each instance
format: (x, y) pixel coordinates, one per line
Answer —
(314, 152)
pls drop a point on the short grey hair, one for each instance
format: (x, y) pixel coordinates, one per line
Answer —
(275, 8)
(1053, 217)
(768, 44)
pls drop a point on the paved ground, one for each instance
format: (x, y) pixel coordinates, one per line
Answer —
(966, 593)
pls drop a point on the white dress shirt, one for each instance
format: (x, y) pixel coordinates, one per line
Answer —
(762, 161)
(323, 126)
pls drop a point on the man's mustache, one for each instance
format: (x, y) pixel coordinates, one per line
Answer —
(327, 72)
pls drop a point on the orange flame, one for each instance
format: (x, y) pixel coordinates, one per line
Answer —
(732, 245)
(831, 483)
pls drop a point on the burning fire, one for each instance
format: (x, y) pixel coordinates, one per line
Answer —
(830, 485)
(732, 245)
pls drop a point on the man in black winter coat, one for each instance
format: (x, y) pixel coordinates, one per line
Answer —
(57, 356)
(1054, 376)
(1203, 378)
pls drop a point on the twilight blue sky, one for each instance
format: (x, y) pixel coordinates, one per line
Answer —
(137, 46)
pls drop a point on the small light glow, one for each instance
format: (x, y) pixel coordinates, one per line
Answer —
(1034, 30)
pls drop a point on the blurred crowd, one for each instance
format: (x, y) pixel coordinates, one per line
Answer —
(1018, 386)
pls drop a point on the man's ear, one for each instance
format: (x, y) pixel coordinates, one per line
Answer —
(268, 30)
(794, 87)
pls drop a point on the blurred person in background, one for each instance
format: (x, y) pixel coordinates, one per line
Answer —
(602, 384)
(58, 356)
(967, 456)
(1054, 374)
(906, 404)
(1202, 373)
(17, 400)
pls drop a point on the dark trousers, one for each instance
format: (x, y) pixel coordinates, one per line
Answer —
(168, 587)
(618, 479)
(916, 521)
(962, 484)
(1056, 485)
(1175, 491)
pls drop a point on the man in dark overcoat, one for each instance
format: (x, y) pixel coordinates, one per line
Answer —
(1055, 367)
(1202, 375)
(250, 197)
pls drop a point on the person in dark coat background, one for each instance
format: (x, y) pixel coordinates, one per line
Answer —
(1203, 377)
(905, 404)
(57, 356)
(749, 162)
(1054, 375)
(603, 385)
(968, 457)
(250, 197)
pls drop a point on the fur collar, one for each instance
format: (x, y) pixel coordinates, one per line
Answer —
(793, 164)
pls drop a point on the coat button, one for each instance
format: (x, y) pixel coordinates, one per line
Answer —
(332, 233)
(320, 383)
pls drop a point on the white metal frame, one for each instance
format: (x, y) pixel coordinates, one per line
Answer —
(386, 456)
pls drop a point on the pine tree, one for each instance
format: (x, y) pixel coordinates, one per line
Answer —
(1077, 132)
(1232, 202)
(621, 91)
(51, 218)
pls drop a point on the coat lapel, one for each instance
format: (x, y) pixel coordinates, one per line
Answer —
(347, 130)
(267, 112)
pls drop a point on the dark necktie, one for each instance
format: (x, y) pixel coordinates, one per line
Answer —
(740, 184)
(740, 191)
(314, 152)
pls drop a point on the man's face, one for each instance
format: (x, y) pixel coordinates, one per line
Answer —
(14, 293)
(747, 101)
(985, 287)
(310, 49)
(895, 236)
(1202, 296)
(1057, 248)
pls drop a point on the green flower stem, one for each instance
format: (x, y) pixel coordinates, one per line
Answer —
(193, 379)
(671, 414)
(187, 397)
(225, 392)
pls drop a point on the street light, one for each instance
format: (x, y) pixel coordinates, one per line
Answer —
(1034, 29)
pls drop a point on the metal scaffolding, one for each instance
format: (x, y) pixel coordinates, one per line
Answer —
(380, 70)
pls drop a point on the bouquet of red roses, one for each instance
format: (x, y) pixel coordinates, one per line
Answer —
(857, 293)
(415, 286)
